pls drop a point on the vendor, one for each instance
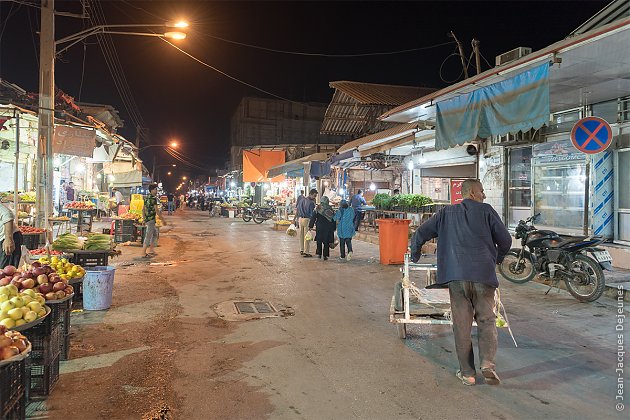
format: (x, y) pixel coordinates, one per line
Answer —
(10, 239)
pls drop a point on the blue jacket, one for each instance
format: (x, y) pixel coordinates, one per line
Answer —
(305, 208)
(472, 239)
(345, 225)
(357, 201)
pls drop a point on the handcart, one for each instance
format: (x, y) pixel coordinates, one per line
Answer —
(418, 305)
(415, 305)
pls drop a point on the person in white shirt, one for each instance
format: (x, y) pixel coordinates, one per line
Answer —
(118, 197)
(10, 239)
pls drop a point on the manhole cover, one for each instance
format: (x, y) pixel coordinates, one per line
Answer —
(203, 234)
(256, 307)
(245, 310)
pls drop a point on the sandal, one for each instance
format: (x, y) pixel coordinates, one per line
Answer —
(466, 380)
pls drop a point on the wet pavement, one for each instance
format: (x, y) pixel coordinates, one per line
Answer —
(334, 355)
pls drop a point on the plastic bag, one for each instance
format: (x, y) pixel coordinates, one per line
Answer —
(309, 236)
(291, 230)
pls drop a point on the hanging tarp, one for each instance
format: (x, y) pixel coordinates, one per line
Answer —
(295, 168)
(319, 169)
(127, 179)
(256, 163)
(74, 141)
(519, 103)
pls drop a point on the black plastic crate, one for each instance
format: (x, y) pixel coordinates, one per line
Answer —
(60, 315)
(45, 342)
(32, 240)
(124, 226)
(13, 382)
(43, 377)
(65, 347)
(90, 258)
(124, 237)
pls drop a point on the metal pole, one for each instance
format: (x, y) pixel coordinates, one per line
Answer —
(475, 45)
(16, 113)
(46, 112)
(461, 54)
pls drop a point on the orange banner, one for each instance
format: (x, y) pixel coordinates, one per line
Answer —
(256, 163)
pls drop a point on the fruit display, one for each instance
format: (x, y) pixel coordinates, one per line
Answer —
(12, 343)
(98, 242)
(23, 215)
(66, 270)
(29, 230)
(59, 219)
(18, 308)
(67, 241)
(127, 216)
(80, 205)
(44, 251)
(38, 277)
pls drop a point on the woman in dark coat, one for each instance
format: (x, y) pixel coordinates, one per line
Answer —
(322, 219)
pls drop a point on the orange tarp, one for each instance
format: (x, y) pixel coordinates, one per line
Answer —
(256, 163)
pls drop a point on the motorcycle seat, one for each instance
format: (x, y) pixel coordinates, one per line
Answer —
(559, 243)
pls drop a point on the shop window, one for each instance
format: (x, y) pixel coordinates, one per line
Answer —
(436, 188)
(624, 109)
(519, 185)
(623, 193)
(606, 110)
(559, 190)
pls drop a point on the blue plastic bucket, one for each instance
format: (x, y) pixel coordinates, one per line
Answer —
(98, 286)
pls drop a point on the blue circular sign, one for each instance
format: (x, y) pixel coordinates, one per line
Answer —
(591, 135)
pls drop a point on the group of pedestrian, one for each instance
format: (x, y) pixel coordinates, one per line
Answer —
(324, 220)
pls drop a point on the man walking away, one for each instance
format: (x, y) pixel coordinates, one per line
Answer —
(170, 203)
(356, 202)
(150, 212)
(305, 210)
(118, 199)
(472, 240)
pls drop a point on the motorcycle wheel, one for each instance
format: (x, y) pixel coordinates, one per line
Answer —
(587, 289)
(247, 216)
(508, 268)
(259, 218)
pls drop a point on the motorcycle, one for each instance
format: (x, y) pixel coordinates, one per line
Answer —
(260, 214)
(575, 260)
(247, 214)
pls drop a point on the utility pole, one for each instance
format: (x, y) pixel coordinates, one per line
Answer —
(475, 45)
(461, 54)
(46, 113)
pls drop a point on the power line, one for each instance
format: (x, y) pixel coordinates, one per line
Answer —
(227, 75)
(307, 54)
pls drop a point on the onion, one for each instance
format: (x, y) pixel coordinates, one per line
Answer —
(45, 288)
(5, 280)
(38, 271)
(9, 270)
(58, 286)
(20, 344)
(42, 278)
(50, 296)
(36, 264)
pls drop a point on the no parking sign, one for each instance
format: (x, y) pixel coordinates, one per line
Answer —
(591, 135)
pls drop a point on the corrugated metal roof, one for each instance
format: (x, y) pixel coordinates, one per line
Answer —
(400, 130)
(355, 106)
(375, 94)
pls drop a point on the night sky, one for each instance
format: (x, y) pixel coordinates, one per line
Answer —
(180, 98)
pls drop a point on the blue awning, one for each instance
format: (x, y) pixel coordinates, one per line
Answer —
(517, 104)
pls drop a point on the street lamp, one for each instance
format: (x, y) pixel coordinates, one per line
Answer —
(46, 111)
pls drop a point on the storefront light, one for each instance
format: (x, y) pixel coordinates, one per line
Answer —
(341, 191)
(111, 177)
(410, 165)
(99, 176)
(232, 184)
(372, 187)
(80, 168)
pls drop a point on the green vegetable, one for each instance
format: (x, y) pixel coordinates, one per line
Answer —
(98, 242)
(65, 242)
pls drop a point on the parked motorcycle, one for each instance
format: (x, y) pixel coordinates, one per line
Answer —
(575, 260)
(260, 214)
(247, 214)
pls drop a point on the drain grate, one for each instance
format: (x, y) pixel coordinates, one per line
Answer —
(254, 307)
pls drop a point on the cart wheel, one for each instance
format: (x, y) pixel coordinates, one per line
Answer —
(402, 331)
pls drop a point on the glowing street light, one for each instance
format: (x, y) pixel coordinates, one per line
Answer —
(169, 173)
(173, 144)
(184, 178)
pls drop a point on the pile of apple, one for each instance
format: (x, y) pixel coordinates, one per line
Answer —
(17, 308)
(37, 277)
(12, 343)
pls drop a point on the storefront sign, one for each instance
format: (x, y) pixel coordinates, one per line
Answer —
(74, 141)
(456, 191)
(591, 135)
(555, 151)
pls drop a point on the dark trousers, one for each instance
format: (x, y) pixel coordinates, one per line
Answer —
(326, 249)
(358, 216)
(470, 300)
(343, 242)
(14, 258)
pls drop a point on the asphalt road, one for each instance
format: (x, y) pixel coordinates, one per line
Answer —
(334, 354)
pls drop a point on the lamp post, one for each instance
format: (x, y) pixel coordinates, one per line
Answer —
(46, 111)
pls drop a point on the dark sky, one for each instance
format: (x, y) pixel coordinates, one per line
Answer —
(178, 97)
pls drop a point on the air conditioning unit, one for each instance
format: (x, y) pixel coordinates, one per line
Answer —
(510, 56)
